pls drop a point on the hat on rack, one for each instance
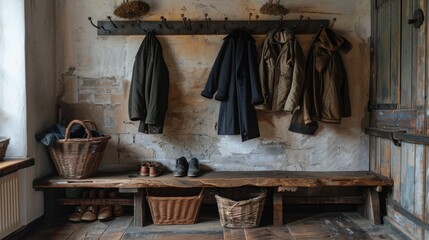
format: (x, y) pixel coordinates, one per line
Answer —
(132, 9)
(271, 8)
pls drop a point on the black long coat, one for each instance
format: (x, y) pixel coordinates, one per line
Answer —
(148, 100)
(235, 80)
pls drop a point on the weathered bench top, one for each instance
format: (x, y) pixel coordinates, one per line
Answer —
(222, 179)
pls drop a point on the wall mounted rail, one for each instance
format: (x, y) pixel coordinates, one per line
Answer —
(205, 27)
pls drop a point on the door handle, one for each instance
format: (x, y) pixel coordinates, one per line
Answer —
(418, 18)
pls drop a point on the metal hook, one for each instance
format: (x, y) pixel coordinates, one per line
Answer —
(140, 27)
(299, 22)
(226, 23)
(90, 19)
(189, 24)
(183, 19)
(208, 20)
(250, 18)
(102, 27)
(164, 21)
(333, 22)
(110, 19)
(281, 20)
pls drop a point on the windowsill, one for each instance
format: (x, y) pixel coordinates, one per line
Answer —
(9, 166)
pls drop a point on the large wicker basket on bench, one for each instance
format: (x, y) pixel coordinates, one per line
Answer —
(78, 157)
(235, 212)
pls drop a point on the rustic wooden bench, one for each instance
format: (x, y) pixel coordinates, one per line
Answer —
(281, 181)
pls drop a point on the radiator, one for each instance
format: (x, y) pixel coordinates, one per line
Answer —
(9, 204)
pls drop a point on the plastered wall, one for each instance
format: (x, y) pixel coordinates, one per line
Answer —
(94, 72)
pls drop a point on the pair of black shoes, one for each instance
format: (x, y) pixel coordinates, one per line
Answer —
(183, 168)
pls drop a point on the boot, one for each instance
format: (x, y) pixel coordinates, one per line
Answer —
(105, 213)
(194, 168)
(181, 167)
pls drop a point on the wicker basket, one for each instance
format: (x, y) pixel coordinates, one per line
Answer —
(78, 157)
(241, 213)
(175, 210)
(4, 142)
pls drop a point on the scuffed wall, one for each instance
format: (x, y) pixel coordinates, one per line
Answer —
(40, 94)
(94, 74)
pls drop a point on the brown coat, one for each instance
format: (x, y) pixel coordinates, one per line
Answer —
(326, 91)
(281, 70)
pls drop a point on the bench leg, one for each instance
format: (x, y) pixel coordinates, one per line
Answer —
(371, 209)
(139, 208)
(53, 212)
(277, 209)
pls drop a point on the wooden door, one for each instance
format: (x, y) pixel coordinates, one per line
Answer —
(399, 113)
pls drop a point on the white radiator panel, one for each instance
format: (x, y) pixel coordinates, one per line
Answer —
(9, 204)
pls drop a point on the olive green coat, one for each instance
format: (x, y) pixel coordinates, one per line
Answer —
(281, 70)
(148, 100)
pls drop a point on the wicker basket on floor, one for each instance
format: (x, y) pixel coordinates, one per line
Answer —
(78, 157)
(175, 210)
(4, 142)
(241, 213)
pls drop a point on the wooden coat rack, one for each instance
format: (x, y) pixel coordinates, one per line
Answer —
(205, 27)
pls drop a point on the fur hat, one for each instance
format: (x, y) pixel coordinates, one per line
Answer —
(271, 8)
(132, 9)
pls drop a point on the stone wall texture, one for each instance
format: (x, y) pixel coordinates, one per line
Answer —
(94, 73)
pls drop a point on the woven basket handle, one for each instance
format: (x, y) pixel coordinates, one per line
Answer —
(83, 124)
(90, 123)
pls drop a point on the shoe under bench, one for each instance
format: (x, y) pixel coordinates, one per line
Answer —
(282, 182)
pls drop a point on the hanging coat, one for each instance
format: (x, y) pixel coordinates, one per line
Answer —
(235, 80)
(326, 91)
(281, 68)
(148, 100)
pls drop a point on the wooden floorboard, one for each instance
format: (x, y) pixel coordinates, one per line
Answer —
(300, 227)
(98, 230)
(118, 228)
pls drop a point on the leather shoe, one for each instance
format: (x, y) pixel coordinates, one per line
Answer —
(194, 168)
(76, 216)
(105, 213)
(181, 167)
(144, 169)
(91, 211)
(155, 169)
(90, 214)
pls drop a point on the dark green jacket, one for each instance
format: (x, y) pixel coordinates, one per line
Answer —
(148, 100)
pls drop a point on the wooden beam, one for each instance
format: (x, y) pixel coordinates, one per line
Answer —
(97, 201)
